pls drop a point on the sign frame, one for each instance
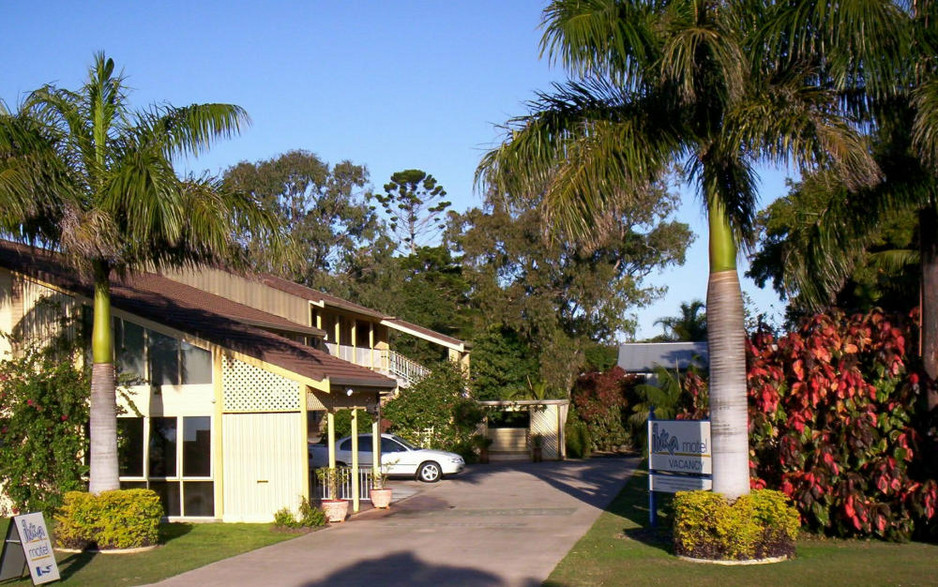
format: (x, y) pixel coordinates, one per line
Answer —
(679, 458)
(35, 552)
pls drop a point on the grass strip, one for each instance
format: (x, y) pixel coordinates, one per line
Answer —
(622, 549)
(184, 547)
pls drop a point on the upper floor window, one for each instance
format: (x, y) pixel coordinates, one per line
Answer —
(162, 359)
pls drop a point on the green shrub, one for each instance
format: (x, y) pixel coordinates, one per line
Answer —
(76, 520)
(577, 436)
(113, 519)
(310, 516)
(759, 525)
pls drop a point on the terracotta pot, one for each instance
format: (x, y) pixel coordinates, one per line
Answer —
(335, 509)
(381, 498)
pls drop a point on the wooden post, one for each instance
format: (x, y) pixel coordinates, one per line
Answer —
(355, 501)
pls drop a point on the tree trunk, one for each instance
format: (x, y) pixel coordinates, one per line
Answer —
(729, 424)
(928, 230)
(104, 474)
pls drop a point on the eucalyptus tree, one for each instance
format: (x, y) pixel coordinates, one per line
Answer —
(659, 83)
(82, 173)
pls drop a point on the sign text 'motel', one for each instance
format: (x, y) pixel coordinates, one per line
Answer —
(678, 458)
(680, 446)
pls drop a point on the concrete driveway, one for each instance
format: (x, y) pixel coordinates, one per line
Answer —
(493, 525)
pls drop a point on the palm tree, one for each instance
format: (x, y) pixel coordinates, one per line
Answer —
(82, 173)
(881, 57)
(665, 82)
(689, 326)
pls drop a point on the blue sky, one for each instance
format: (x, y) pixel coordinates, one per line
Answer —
(391, 85)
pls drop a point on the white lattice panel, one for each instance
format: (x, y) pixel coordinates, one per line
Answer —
(250, 389)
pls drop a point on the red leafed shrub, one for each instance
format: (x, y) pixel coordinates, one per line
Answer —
(599, 399)
(831, 425)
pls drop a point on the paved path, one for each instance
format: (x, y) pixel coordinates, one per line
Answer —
(493, 525)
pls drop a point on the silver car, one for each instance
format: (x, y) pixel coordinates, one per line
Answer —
(398, 457)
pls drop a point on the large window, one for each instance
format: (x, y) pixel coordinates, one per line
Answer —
(179, 472)
(161, 359)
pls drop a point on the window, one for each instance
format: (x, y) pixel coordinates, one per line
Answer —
(389, 445)
(196, 364)
(510, 419)
(130, 446)
(197, 446)
(129, 341)
(166, 360)
(162, 447)
(163, 354)
(179, 472)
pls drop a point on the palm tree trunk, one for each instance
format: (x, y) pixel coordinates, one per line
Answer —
(928, 229)
(729, 426)
(104, 472)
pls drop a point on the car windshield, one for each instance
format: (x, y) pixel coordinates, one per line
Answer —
(405, 443)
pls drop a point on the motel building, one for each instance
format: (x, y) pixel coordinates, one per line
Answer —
(238, 373)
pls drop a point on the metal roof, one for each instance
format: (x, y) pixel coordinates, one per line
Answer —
(642, 357)
(213, 318)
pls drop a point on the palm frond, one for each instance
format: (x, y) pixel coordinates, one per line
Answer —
(789, 120)
(585, 150)
(602, 38)
(189, 130)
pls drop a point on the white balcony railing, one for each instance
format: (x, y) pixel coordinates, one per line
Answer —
(405, 370)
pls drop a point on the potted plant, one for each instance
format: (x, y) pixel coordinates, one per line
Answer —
(537, 448)
(380, 492)
(331, 477)
(482, 442)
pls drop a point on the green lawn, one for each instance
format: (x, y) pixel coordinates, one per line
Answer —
(620, 549)
(185, 547)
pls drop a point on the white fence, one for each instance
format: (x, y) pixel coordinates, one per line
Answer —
(318, 490)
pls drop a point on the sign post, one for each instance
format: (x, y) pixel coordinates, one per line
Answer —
(679, 458)
(35, 550)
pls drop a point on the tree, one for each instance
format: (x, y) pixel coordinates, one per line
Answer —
(881, 57)
(322, 206)
(413, 201)
(561, 297)
(883, 262)
(502, 364)
(689, 326)
(436, 412)
(682, 81)
(81, 172)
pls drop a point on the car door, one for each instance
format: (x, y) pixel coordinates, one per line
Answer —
(396, 458)
(343, 451)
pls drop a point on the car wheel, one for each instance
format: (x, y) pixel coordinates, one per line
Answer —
(429, 472)
(340, 464)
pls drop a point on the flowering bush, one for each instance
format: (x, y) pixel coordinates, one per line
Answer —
(43, 409)
(831, 425)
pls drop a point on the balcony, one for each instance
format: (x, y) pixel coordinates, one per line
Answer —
(404, 370)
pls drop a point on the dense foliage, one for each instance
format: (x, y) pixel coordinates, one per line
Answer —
(759, 525)
(436, 412)
(832, 423)
(600, 399)
(118, 519)
(323, 205)
(43, 411)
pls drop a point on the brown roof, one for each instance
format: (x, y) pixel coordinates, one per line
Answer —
(193, 311)
(319, 297)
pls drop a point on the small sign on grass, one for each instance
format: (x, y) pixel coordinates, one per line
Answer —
(27, 544)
